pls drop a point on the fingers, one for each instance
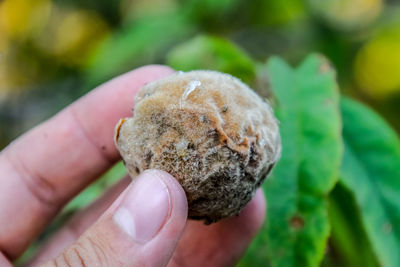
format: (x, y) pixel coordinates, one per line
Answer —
(4, 262)
(79, 223)
(141, 228)
(44, 168)
(222, 243)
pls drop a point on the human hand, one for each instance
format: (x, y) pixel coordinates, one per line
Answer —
(143, 223)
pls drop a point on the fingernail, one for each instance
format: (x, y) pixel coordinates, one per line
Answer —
(145, 207)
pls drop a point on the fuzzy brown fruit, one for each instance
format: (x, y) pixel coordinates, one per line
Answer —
(209, 130)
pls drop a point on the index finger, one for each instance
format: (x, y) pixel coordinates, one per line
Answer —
(47, 166)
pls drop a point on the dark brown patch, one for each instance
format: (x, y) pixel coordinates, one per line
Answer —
(250, 177)
(253, 157)
(191, 146)
(297, 222)
(204, 119)
(148, 156)
(118, 128)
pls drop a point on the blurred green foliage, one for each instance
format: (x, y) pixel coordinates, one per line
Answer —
(202, 51)
(348, 244)
(333, 199)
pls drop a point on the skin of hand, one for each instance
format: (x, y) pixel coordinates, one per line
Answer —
(140, 223)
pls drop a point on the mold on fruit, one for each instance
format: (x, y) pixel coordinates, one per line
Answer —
(209, 130)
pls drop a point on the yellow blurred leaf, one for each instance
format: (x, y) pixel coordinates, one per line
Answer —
(377, 65)
(77, 34)
(71, 35)
(347, 14)
(134, 9)
(20, 19)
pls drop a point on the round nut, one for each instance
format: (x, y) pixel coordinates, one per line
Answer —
(210, 131)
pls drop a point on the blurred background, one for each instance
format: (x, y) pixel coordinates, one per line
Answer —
(52, 52)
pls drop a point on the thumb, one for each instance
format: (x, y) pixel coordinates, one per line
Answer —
(141, 228)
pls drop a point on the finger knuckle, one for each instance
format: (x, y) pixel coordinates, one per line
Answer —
(38, 185)
(95, 250)
(89, 251)
(99, 252)
(73, 256)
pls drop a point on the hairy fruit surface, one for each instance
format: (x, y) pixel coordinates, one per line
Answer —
(210, 131)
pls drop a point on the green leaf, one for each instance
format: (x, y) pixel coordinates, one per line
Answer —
(371, 170)
(273, 12)
(209, 10)
(142, 42)
(348, 243)
(214, 53)
(297, 226)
